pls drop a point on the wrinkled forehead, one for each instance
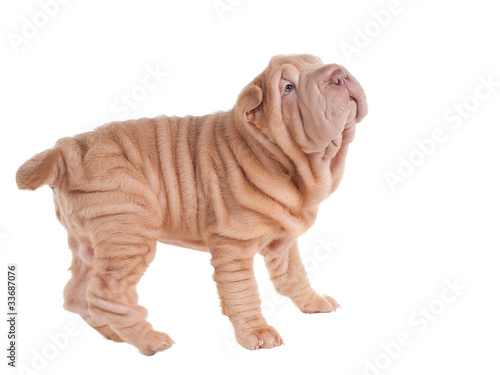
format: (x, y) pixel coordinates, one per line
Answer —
(291, 67)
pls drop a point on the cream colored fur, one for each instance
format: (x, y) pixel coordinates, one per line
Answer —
(238, 183)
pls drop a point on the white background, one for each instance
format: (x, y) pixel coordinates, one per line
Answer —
(382, 254)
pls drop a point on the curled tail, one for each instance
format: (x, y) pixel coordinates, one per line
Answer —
(41, 169)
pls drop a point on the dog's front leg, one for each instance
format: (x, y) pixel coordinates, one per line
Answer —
(289, 277)
(233, 272)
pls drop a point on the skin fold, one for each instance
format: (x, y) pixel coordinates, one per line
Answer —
(237, 183)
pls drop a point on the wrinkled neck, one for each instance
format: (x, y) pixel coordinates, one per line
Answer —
(302, 180)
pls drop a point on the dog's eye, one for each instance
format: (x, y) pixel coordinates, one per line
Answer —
(288, 88)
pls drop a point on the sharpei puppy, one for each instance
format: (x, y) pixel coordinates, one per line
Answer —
(233, 183)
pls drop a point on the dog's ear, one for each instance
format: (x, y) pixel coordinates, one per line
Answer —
(249, 104)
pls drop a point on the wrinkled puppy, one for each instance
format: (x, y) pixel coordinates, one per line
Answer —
(234, 183)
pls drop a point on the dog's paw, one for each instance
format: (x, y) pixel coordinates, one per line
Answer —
(256, 338)
(317, 303)
(156, 342)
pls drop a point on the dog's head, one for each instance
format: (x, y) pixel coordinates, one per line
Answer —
(301, 99)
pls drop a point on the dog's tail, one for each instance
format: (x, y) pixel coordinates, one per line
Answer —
(41, 169)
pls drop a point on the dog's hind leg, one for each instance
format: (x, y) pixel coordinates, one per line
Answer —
(74, 292)
(125, 244)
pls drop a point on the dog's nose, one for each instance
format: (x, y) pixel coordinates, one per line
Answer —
(339, 77)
